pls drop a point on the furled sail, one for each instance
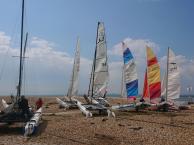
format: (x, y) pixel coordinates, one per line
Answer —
(130, 73)
(173, 78)
(153, 75)
(99, 75)
(73, 87)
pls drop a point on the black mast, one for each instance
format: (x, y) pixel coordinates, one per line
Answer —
(21, 56)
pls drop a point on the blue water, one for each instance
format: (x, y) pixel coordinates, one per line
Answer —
(182, 97)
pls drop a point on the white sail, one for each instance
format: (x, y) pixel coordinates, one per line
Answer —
(99, 75)
(73, 87)
(173, 82)
(163, 86)
(123, 87)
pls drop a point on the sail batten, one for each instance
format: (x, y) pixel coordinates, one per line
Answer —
(130, 73)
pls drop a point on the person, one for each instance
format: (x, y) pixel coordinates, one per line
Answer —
(86, 98)
(162, 100)
(23, 105)
(104, 94)
(12, 98)
(142, 100)
(39, 103)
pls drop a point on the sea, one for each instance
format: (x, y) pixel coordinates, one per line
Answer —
(183, 98)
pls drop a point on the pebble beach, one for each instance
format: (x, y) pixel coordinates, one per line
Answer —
(71, 127)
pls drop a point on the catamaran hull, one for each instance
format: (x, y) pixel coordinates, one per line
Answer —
(32, 125)
(127, 107)
(4, 103)
(66, 104)
(83, 109)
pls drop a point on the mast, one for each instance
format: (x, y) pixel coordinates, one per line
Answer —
(167, 74)
(148, 84)
(21, 50)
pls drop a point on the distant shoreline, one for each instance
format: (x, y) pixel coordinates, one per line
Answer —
(108, 95)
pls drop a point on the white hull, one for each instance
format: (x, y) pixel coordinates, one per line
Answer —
(126, 107)
(4, 103)
(83, 109)
(62, 103)
(33, 123)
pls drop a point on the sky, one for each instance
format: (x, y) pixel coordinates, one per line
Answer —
(54, 26)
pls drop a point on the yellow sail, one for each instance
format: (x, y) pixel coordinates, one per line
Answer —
(153, 75)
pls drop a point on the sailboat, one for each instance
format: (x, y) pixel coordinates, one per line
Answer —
(129, 78)
(99, 75)
(171, 83)
(73, 87)
(172, 88)
(12, 112)
(96, 99)
(152, 84)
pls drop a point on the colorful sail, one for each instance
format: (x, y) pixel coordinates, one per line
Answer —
(173, 82)
(153, 75)
(73, 87)
(145, 88)
(99, 75)
(130, 73)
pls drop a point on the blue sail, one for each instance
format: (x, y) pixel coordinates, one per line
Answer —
(130, 73)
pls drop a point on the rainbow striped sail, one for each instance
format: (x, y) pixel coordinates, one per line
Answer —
(153, 76)
(130, 73)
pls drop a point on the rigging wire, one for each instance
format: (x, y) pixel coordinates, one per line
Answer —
(7, 61)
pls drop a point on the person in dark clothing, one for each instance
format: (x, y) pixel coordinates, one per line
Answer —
(86, 98)
(23, 105)
(162, 100)
(142, 100)
(12, 98)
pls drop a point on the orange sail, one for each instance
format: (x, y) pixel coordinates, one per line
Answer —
(153, 75)
(145, 88)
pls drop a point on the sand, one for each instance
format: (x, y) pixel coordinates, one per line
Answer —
(72, 128)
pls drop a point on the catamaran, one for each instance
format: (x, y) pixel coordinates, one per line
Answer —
(73, 87)
(129, 80)
(12, 113)
(152, 84)
(96, 99)
(171, 83)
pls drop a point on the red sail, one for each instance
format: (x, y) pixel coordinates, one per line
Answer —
(145, 88)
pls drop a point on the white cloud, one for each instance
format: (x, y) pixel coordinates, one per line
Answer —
(137, 47)
(48, 70)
